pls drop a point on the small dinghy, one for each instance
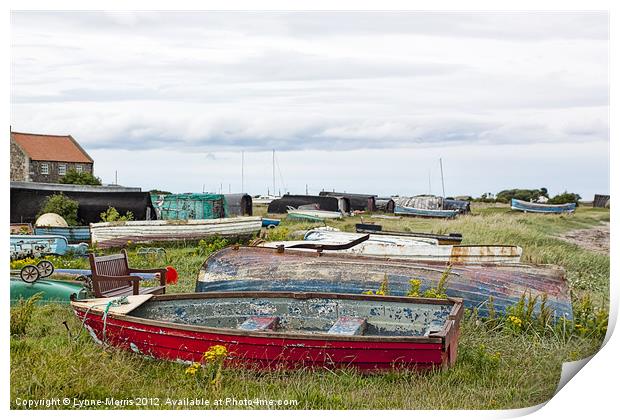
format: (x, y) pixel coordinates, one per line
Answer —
(282, 330)
(528, 207)
(312, 215)
(412, 211)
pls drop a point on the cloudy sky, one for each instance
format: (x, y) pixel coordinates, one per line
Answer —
(354, 101)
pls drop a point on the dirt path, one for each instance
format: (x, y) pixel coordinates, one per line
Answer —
(593, 239)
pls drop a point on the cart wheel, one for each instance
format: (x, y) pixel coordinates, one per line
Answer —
(46, 268)
(29, 273)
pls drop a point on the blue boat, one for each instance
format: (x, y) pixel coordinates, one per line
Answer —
(23, 246)
(74, 234)
(269, 223)
(528, 207)
(412, 211)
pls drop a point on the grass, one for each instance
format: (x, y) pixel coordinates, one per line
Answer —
(496, 367)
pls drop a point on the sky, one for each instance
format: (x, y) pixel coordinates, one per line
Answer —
(350, 101)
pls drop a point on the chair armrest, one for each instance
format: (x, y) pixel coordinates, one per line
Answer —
(162, 273)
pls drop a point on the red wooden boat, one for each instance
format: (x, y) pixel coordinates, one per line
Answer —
(282, 329)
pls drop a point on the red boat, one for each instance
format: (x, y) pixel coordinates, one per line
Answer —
(282, 329)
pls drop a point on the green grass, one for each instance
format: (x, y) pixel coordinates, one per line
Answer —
(496, 368)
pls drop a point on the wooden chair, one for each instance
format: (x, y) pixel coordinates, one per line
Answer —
(111, 276)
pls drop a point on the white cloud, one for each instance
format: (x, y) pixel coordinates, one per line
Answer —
(211, 82)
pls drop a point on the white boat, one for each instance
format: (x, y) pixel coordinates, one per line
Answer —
(419, 249)
(311, 214)
(118, 234)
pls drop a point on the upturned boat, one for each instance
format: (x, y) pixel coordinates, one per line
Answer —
(260, 269)
(23, 246)
(435, 213)
(310, 214)
(528, 207)
(418, 249)
(281, 330)
(117, 234)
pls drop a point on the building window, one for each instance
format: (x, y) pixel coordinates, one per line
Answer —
(62, 169)
(45, 169)
(78, 168)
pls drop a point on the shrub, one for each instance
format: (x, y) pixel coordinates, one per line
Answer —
(63, 206)
(565, 198)
(112, 215)
(80, 178)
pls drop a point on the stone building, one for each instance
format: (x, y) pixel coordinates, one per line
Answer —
(46, 158)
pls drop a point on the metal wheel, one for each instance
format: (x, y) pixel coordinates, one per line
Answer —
(29, 273)
(46, 268)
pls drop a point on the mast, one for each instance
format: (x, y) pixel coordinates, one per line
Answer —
(242, 157)
(443, 188)
(273, 169)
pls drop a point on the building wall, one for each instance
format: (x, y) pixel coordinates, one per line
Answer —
(19, 163)
(37, 175)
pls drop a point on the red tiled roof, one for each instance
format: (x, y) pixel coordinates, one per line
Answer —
(51, 148)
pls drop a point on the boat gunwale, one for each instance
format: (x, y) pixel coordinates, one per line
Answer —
(452, 321)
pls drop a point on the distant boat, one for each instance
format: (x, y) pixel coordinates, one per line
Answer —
(313, 214)
(528, 207)
(283, 330)
(74, 234)
(449, 239)
(117, 234)
(412, 211)
(23, 246)
(268, 223)
(253, 269)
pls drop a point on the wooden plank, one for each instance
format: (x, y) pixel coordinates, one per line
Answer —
(101, 303)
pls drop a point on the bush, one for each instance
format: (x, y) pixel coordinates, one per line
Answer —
(565, 197)
(80, 178)
(112, 215)
(63, 206)
(521, 194)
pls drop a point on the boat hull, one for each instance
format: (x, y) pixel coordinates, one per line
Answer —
(252, 269)
(53, 291)
(527, 207)
(117, 234)
(411, 211)
(272, 350)
(74, 234)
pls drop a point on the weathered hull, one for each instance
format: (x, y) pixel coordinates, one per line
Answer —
(117, 234)
(314, 214)
(74, 234)
(419, 249)
(266, 269)
(185, 338)
(450, 239)
(411, 211)
(46, 244)
(53, 291)
(541, 208)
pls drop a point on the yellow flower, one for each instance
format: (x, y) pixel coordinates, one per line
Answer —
(368, 292)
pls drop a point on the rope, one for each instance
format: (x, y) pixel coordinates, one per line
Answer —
(114, 302)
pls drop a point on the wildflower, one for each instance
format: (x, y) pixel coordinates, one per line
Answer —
(368, 292)
(516, 321)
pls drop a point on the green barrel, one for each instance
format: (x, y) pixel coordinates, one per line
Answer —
(53, 290)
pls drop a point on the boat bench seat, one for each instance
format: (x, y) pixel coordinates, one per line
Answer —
(260, 323)
(349, 325)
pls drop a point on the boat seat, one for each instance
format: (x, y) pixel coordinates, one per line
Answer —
(348, 325)
(260, 323)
